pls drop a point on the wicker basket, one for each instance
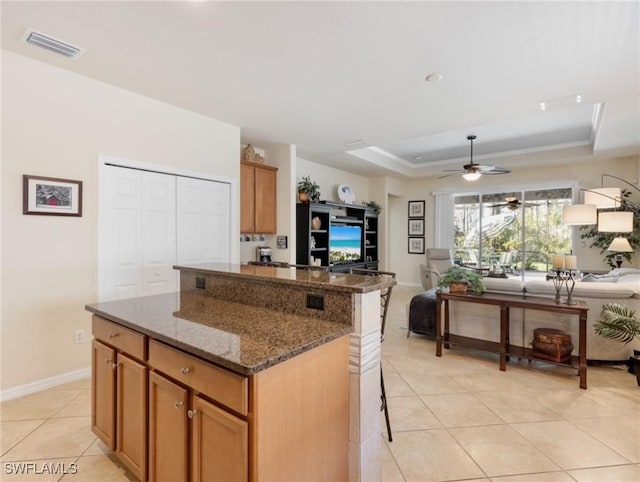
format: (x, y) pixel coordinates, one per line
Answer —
(458, 288)
(551, 344)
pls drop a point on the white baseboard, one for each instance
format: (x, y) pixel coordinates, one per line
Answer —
(43, 384)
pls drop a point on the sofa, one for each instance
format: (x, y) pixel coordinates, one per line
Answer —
(618, 286)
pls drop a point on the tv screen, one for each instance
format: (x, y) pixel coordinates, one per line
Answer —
(345, 244)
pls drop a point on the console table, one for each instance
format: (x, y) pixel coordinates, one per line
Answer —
(505, 302)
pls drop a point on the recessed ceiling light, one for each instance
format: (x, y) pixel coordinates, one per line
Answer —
(435, 77)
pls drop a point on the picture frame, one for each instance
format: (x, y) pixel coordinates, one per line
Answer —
(416, 209)
(51, 196)
(416, 245)
(416, 227)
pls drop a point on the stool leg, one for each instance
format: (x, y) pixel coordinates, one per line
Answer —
(384, 407)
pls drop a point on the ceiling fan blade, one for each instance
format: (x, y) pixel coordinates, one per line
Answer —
(497, 170)
(454, 173)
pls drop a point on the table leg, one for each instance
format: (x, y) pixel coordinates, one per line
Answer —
(446, 324)
(504, 322)
(438, 327)
(582, 346)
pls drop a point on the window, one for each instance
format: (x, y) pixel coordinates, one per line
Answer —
(511, 232)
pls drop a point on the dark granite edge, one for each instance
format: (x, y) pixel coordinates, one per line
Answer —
(341, 330)
(371, 284)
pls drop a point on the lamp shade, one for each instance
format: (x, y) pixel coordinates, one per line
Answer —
(603, 197)
(620, 245)
(578, 214)
(615, 222)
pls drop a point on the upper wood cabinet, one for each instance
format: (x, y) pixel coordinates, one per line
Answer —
(258, 198)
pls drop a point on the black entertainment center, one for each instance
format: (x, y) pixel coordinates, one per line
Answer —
(337, 235)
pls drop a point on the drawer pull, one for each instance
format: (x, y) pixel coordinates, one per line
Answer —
(192, 413)
(179, 405)
(114, 335)
(185, 371)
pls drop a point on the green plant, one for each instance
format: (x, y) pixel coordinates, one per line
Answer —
(603, 240)
(456, 274)
(618, 323)
(310, 188)
(373, 205)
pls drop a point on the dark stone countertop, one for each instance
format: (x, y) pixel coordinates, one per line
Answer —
(243, 338)
(328, 281)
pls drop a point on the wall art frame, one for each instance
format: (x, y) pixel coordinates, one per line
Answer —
(51, 196)
(416, 245)
(416, 209)
(416, 227)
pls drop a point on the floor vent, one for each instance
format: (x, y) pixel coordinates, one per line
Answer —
(54, 45)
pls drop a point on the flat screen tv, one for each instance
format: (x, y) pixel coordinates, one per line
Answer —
(345, 243)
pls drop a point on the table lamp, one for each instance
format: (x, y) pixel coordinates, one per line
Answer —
(620, 245)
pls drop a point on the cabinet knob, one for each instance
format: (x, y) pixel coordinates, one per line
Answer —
(114, 366)
(179, 404)
(185, 371)
(114, 335)
(192, 413)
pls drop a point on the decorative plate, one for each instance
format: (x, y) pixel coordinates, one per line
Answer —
(345, 194)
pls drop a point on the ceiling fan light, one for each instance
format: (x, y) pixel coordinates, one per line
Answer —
(579, 214)
(471, 176)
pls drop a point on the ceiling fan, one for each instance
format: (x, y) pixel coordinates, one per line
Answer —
(513, 203)
(473, 170)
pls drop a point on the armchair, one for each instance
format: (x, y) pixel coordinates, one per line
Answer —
(438, 260)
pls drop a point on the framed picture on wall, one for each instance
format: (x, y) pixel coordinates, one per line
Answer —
(51, 196)
(416, 227)
(416, 209)
(416, 245)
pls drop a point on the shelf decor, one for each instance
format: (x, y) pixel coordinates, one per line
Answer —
(51, 196)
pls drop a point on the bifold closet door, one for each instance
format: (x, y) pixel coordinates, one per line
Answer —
(203, 209)
(138, 238)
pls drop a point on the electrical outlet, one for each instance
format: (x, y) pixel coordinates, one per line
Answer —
(78, 336)
(315, 302)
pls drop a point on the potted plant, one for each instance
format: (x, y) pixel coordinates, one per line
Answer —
(373, 205)
(308, 190)
(620, 323)
(457, 277)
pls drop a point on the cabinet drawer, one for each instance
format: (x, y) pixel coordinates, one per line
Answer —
(221, 385)
(124, 339)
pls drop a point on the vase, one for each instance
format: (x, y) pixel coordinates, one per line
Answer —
(303, 197)
(316, 223)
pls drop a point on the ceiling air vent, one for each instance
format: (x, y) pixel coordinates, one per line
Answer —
(54, 45)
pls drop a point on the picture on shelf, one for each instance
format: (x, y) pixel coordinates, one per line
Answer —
(345, 244)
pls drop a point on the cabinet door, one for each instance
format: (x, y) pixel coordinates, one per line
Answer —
(131, 427)
(168, 443)
(247, 199)
(265, 203)
(219, 444)
(103, 392)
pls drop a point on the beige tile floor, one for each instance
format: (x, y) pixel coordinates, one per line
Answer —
(453, 418)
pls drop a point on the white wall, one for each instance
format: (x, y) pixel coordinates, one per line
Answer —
(56, 123)
(330, 178)
(586, 173)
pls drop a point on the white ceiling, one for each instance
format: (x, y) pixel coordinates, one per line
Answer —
(344, 81)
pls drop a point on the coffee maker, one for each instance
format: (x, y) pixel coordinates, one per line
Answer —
(263, 254)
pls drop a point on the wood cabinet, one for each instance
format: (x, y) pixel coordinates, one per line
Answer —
(258, 198)
(172, 416)
(119, 394)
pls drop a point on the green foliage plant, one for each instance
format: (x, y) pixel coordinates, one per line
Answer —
(373, 205)
(457, 274)
(618, 323)
(309, 187)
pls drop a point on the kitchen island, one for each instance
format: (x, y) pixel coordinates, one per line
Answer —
(251, 376)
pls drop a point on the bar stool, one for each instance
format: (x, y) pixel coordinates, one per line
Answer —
(385, 297)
